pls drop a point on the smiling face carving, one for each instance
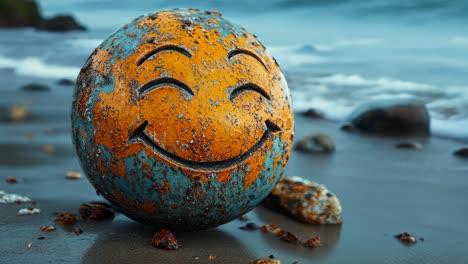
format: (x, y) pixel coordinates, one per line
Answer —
(178, 106)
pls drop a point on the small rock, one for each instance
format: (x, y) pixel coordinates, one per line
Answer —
(250, 226)
(392, 117)
(47, 228)
(265, 261)
(290, 237)
(13, 113)
(307, 201)
(35, 87)
(13, 198)
(405, 237)
(164, 239)
(41, 238)
(312, 113)
(314, 242)
(96, 211)
(73, 175)
(319, 143)
(409, 145)
(65, 218)
(463, 152)
(29, 211)
(211, 257)
(65, 82)
(60, 23)
(348, 128)
(77, 231)
(29, 246)
(11, 180)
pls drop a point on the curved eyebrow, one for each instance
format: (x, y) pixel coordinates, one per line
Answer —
(238, 51)
(164, 81)
(169, 47)
(248, 87)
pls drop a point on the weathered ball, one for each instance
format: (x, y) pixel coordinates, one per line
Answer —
(182, 119)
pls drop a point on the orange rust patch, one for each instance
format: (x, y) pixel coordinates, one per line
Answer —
(149, 207)
(207, 126)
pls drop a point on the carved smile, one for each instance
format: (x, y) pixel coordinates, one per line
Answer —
(139, 135)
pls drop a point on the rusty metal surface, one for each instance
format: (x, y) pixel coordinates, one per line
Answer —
(182, 119)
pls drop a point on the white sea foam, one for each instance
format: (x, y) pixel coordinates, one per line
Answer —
(85, 45)
(338, 94)
(461, 41)
(388, 84)
(36, 67)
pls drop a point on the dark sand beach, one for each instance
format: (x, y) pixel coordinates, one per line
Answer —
(383, 190)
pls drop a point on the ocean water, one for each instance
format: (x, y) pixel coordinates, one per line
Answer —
(335, 54)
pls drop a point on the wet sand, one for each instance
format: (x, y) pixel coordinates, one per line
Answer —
(383, 190)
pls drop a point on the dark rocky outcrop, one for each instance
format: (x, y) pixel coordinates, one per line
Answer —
(312, 113)
(60, 23)
(35, 87)
(319, 143)
(65, 82)
(463, 153)
(392, 117)
(26, 13)
(19, 13)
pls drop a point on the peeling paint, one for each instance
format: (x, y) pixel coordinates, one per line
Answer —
(162, 136)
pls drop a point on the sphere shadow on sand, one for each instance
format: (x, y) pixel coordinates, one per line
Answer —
(129, 242)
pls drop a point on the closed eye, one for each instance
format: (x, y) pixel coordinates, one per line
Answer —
(248, 87)
(162, 82)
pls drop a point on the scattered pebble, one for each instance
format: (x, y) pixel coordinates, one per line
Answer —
(47, 228)
(320, 143)
(212, 257)
(307, 201)
(78, 231)
(405, 237)
(73, 175)
(96, 211)
(13, 198)
(49, 149)
(11, 179)
(463, 152)
(265, 261)
(29, 211)
(289, 237)
(164, 239)
(250, 226)
(314, 242)
(41, 238)
(65, 218)
(29, 245)
(409, 145)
